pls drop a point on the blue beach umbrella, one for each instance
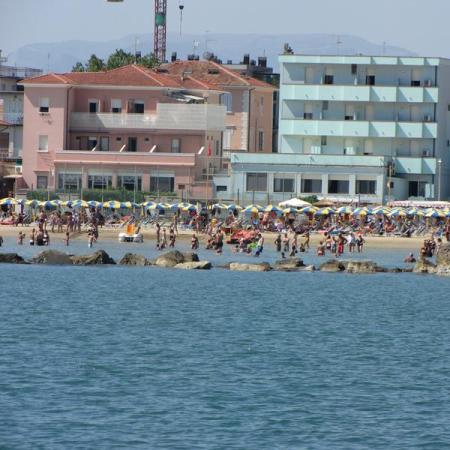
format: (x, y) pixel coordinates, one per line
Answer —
(8, 202)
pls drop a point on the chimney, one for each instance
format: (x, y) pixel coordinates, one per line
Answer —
(174, 57)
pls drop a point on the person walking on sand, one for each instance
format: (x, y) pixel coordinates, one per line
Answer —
(194, 242)
(91, 239)
(260, 245)
(67, 238)
(20, 238)
(164, 240)
(219, 242)
(32, 236)
(172, 237)
(285, 243)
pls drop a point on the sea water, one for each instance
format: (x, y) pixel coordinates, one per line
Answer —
(140, 358)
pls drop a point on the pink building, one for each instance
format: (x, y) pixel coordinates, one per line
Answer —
(249, 102)
(131, 128)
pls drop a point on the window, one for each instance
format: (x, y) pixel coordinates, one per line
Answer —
(366, 187)
(132, 144)
(311, 186)
(415, 83)
(328, 79)
(338, 186)
(325, 105)
(137, 106)
(129, 182)
(93, 106)
(69, 181)
(42, 182)
(116, 105)
(162, 184)
(354, 69)
(221, 188)
(370, 80)
(43, 143)
(417, 188)
(44, 105)
(217, 148)
(175, 146)
(92, 142)
(227, 139)
(283, 185)
(323, 141)
(260, 140)
(227, 100)
(99, 181)
(104, 143)
(308, 116)
(257, 182)
(349, 117)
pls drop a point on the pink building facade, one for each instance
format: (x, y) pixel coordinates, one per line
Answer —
(130, 128)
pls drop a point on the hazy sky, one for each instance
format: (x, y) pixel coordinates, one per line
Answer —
(418, 25)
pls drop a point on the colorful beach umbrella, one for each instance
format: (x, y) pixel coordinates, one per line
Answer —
(49, 204)
(325, 212)
(160, 207)
(380, 211)
(435, 214)
(345, 210)
(360, 212)
(8, 201)
(290, 210)
(219, 206)
(272, 208)
(183, 207)
(309, 210)
(147, 204)
(32, 203)
(79, 204)
(234, 207)
(112, 204)
(398, 212)
(253, 209)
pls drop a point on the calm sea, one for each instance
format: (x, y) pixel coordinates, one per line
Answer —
(143, 358)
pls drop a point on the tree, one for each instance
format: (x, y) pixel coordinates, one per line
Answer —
(150, 61)
(119, 58)
(95, 64)
(78, 67)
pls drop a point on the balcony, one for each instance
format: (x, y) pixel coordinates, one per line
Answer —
(363, 93)
(80, 157)
(19, 72)
(167, 116)
(354, 128)
(13, 118)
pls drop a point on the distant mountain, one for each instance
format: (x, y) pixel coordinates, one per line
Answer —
(61, 56)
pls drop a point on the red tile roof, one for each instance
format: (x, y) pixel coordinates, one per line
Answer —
(214, 73)
(131, 75)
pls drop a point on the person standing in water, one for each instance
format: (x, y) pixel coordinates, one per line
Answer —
(67, 238)
(278, 243)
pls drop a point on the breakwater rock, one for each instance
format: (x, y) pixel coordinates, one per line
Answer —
(259, 267)
(11, 258)
(55, 258)
(173, 258)
(131, 259)
(194, 265)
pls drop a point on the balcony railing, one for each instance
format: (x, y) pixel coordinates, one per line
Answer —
(19, 72)
(166, 117)
(13, 118)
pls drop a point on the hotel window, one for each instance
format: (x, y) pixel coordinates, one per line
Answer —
(220, 188)
(116, 106)
(417, 189)
(323, 141)
(260, 140)
(370, 80)
(175, 146)
(366, 187)
(162, 184)
(104, 143)
(92, 142)
(257, 182)
(136, 106)
(99, 181)
(69, 181)
(308, 116)
(94, 106)
(325, 105)
(43, 143)
(283, 185)
(311, 186)
(227, 134)
(132, 144)
(415, 83)
(227, 100)
(328, 79)
(354, 69)
(338, 187)
(44, 105)
(42, 182)
(129, 182)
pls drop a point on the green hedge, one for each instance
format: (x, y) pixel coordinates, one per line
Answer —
(42, 195)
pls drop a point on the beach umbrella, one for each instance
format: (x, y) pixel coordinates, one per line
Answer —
(309, 210)
(49, 204)
(253, 209)
(345, 210)
(412, 212)
(294, 203)
(324, 203)
(435, 214)
(234, 207)
(147, 204)
(32, 203)
(272, 208)
(398, 212)
(128, 205)
(380, 211)
(8, 201)
(290, 210)
(93, 204)
(360, 212)
(79, 204)
(183, 207)
(112, 204)
(160, 207)
(325, 212)
(219, 206)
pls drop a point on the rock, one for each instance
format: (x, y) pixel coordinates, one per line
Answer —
(100, 257)
(53, 257)
(288, 265)
(131, 259)
(194, 265)
(190, 257)
(443, 257)
(170, 259)
(308, 269)
(360, 266)
(424, 265)
(259, 267)
(11, 258)
(333, 266)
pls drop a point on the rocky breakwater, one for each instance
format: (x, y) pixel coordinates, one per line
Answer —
(55, 258)
(442, 266)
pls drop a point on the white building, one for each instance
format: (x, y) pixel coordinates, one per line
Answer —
(356, 128)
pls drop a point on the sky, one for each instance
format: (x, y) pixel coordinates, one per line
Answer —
(417, 25)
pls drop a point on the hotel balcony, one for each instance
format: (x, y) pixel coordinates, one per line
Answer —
(354, 128)
(80, 157)
(168, 116)
(13, 118)
(363, 93)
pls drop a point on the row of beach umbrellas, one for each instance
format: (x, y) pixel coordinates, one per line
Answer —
(250, 209)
